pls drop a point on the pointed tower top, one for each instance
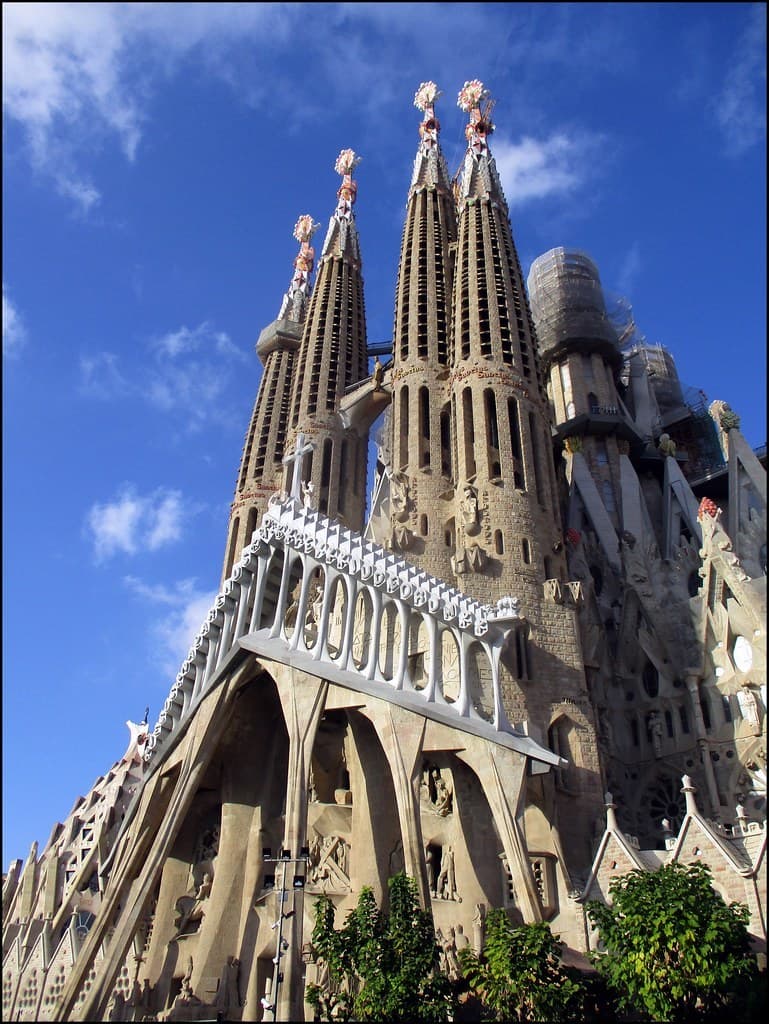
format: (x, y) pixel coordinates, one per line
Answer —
(295, 299)
(471, 96)
(345, 164)
(424, 100)
(342, 237)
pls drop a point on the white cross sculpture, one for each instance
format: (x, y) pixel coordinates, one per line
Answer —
(303, 447)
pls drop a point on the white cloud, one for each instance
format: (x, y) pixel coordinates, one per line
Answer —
(131, 523)
(186, 609)
(538, 168)
(740, 107)
(100, 377)
(76, 74)
(629, 270)
(190, 373)
(14, 330)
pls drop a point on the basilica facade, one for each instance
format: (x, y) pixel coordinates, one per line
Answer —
(535, 660)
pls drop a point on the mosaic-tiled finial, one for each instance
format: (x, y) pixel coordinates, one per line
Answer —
(345, 164)
(471, 96)
(426, 95)
(424, 100)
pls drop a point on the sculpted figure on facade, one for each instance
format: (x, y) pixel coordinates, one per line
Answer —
(399, 495)
(227, 996)
(446, 884)
(377, 374)
(666, 445)
(435, 791)
(655, 731)
(195, 903)
(449, 958)
(328, 864)
(479, 927)
(430, 865)
(469, 509)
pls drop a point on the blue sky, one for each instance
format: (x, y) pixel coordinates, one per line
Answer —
(156, 158)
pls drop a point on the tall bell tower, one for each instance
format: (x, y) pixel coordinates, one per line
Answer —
(331, 358)
(421, 481)
(261, 466)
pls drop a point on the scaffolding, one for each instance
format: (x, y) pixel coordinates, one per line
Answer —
(567, 300)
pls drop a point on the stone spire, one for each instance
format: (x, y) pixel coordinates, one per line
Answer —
(420, 421)
(294, 306)
(332, 357)
(504, 476)
(502, 523)
(261, 461)
(479, 175)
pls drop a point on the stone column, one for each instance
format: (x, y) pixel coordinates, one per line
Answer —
(401, 734)
(302, 698)
(502, 774)
(703, 743)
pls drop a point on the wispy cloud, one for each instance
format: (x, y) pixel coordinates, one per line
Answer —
(100, 377)
(131, 523)
(14, 330)
(539, 168)
(186, 607)
(740, 106)
(629, 270)
(190, 372)
(75, 75)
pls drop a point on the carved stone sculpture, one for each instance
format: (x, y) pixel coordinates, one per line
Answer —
(479, 927)
(446, 885)
(195, 912)
(469, 510)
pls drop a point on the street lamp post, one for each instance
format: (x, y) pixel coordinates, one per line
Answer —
(271, 992)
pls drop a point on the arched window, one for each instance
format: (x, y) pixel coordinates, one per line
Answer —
(651, 679)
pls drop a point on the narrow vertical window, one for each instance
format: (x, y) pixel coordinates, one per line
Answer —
(424, 427)
(446, 441)
(469, 432)
(325, 475)
(515, 442)
(499, 543)
(250, 525)
(492, 433)
(404, 428)
(233, 546)
(537, 458)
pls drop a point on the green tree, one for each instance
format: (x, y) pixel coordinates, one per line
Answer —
(519, 975)
(674, 949)
(380, 966)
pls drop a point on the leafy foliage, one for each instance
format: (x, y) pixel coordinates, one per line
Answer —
(380, 966)
(519, 975)
(674, 949)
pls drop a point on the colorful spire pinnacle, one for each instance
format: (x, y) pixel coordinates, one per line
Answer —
(345, 164)
(299, 289)
(471, 95)
(424, 100)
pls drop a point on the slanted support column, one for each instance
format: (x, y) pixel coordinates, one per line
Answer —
(693, 686)
(134, 877)
(401, 734)
(302, 698)
(502, 774)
